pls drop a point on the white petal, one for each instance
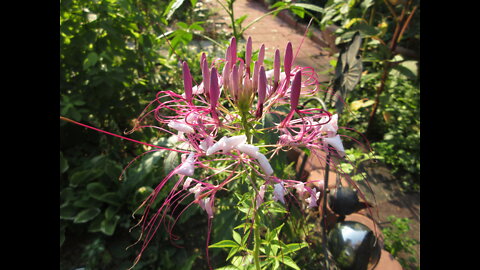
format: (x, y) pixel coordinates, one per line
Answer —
(260, 195)
(232, 142)
(336, 143)
(220, 145)
(207, 206)
(248, 149)
(264, 164)
(279, 192)
(206, 143)
(187, 182)
(180, 125)
(300, 187)
(187, 168)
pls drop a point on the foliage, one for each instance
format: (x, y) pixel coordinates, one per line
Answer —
(114, 57)
(397, 242)
(111, 62)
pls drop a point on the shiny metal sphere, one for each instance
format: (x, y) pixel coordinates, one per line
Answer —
(353, 246)
(344, 201)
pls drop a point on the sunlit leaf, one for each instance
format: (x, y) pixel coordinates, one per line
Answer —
(86, 215)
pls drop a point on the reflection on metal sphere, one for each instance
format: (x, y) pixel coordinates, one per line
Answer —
(353, 246)
(344, 201)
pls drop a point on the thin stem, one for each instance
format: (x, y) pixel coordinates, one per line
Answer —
(324, 211)
(232, 18)
(261, 17)
(256, 236)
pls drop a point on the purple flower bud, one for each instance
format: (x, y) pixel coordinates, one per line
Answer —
(206, 76)
(214, 88)
(276, 69)
(187, 82)
(248, 54)
(241, 67)
(262, 89)
(287, 62)
(233, 51)
(235, 81)
(226, 74)
(256, 69)
(261, 54)
(295, 90)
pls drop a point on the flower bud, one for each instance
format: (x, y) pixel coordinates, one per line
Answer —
(187, 82)
(248, 54)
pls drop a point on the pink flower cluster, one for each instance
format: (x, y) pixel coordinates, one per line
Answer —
(210, 121)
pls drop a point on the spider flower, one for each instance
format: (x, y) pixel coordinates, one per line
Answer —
(218, 122)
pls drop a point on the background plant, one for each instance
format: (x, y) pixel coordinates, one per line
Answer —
(385, 104)
(112, 61)
(398, 243)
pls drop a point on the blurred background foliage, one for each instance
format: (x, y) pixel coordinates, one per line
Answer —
(116, 54)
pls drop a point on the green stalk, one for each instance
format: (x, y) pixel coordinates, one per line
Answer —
(256, 225)
(256, 245)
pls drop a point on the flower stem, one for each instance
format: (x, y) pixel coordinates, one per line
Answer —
(256, 245)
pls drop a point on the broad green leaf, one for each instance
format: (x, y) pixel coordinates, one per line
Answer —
(171, 161)
(111, 198)
(90, 61)
(96, 190)
(224, 244)
(108, 225)
(95, 224)
(86, 215)
(79, 177)
(110, 212)
(68, 212)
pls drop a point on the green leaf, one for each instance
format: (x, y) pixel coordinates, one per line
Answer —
(90, 61)
(172, 7)
(86, 215)
(362, 103)
(108, 225)
(79, 177)
(240, 20)
(289, 248)
(289, 262)
(224, 244)
(171, 161)
(96, 190)
(309, 7)
(63, 163)
(111, 198)
(236, 236)
(68, 212)
(62, 236)
(228, 267)
(300, 12)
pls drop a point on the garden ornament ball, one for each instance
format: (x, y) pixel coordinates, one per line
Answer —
(344, 201)
(353, 246)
